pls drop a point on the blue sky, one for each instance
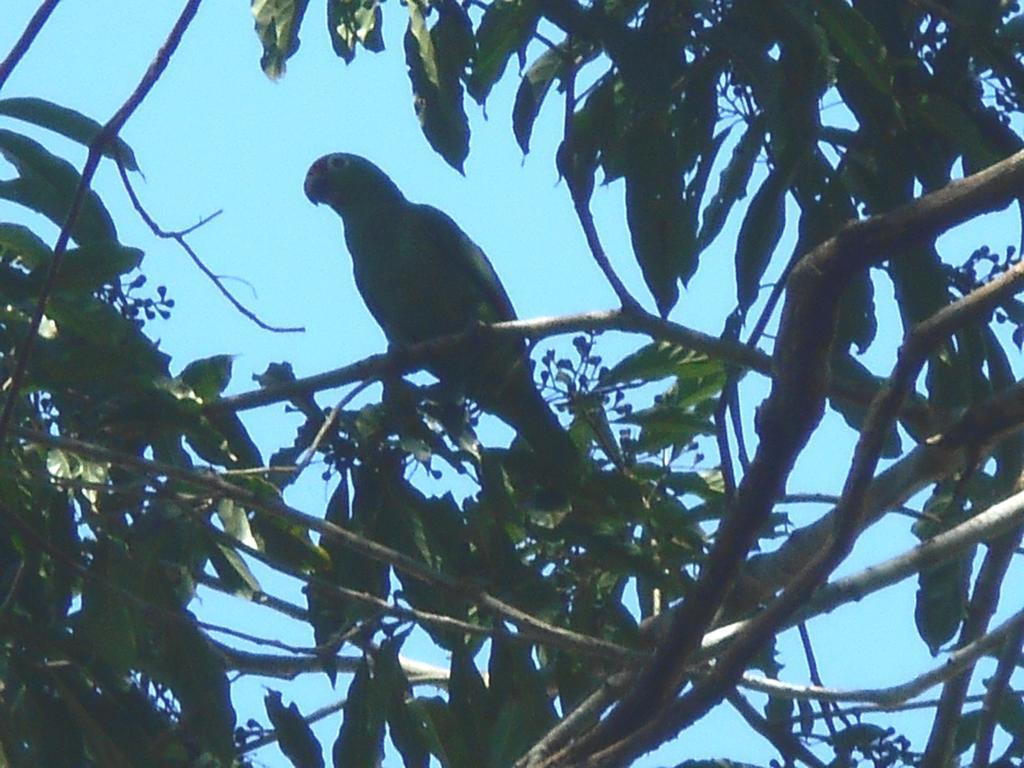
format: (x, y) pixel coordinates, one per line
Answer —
(217, 134)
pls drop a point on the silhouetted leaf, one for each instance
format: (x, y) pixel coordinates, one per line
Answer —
(532, 89)
(47, 184)
(505, 29)
(352, 22)
(759, 235)
(437, 60)
(277, 25)
(732, 183)
(67, 122)
(294, 736)
(360, 742)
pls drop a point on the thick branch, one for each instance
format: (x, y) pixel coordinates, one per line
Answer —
(785, 422)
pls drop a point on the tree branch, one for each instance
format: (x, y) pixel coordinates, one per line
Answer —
(785, 421)
(993, 522)
(179, 238)
(529, 625)
(106, 135)
(23, 43)
(893, 696)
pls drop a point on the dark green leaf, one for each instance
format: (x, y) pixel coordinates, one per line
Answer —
(856, 41)
(352, 22)
(759, 235)
(360, 742)
(532, 90)
(194, 670)
(93, 266)
(67, 122)
(732, 183)
(505, 29)
(277, 25)
(294, 736)
(23, 246)
(437, 60)
(408, 732)
(208, 377)
(662, 427)
(660, 360)
(47, 184)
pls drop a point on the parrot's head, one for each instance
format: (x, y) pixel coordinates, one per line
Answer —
(343, 181)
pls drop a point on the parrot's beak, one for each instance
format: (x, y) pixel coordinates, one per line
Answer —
(316, 181)
(314, 185)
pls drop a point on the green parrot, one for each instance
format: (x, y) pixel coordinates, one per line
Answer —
(422, 277)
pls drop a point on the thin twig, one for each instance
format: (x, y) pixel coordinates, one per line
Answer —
(783, 740)
(106, 135)
(179, 238)
(581, 198)
(269, 737)
(997, 688)
(35, 24)
(894, 696)
(329, 422)
(812, 671)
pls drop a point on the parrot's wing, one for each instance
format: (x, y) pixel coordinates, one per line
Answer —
(466, 262)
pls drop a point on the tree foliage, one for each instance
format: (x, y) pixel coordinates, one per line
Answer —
(658, 589)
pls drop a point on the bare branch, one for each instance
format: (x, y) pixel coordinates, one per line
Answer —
(993, 522)
(290, 667)
(106, 135)
(179, 238)
(786, 743)
(998, 687)
(893, 696)
(23, 43)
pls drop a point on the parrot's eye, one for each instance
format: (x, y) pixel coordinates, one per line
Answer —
(336, 162)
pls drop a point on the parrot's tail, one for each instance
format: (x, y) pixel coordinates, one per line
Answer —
(520, 405)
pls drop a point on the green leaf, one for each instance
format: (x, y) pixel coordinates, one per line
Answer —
(352, 22)
(236, 522)
(949, 120)
(659, 360)
(856, 41)
(532, 90)
(89, 268)
(185, 660)
(67, 122)
(942, 591)
(47, 184)
(505, 29)
(360, 742)
(732, 183)
(759, 235)
(277, 25)
(662, 427)
(437, 60)
(208, 377)
(233, 571)
(408, 732)
(294, 736)
(23, 246)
